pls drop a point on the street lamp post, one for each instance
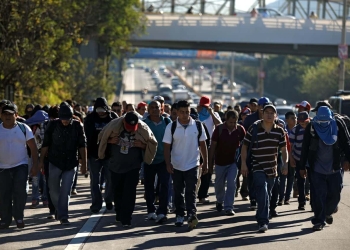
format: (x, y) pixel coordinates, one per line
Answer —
(343, 41)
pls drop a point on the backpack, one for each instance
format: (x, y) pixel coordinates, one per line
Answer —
(23, 129)
(198, 125)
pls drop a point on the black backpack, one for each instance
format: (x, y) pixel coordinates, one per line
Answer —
(199, 128)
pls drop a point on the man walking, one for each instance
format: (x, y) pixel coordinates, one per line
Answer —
(157, 123)
(62, 141)
(93, 125)
(14, 166)
(226, 140)
(265, 138)
(184, 140)
(324, 143)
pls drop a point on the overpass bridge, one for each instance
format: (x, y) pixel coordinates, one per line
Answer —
(243, 34)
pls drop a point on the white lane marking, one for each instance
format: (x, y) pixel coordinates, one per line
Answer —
(80, 238)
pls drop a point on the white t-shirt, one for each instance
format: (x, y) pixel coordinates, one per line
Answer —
(13, 147)
(185, 151)
(210, 123)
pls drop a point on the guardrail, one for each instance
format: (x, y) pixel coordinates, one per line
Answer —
(165, 20)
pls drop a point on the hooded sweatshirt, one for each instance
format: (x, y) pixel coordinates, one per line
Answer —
(94, 124)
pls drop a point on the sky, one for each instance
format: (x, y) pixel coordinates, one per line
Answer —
(246, 4)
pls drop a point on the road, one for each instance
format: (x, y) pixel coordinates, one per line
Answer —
(291, 230)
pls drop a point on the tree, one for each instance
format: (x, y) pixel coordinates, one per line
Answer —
(321, 81)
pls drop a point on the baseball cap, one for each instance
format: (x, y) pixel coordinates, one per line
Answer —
(10, 108)
(263, 100)
(131, 121)
(246, 111)
(141, 104)
(304, 104)
(100, 110)
(303, 116)
(253, 100)
(324, 114)
(320, 104)
(158, 98)
(204, 101)
(270, 106)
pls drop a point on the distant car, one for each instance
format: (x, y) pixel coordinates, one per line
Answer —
(180, 86)
(155, 76)
(131, 65)
(219, 87)
(207, 77)
(147, 70)
(225, 80)
(279, 102)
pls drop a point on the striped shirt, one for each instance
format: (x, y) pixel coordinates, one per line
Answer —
(265, 148)
(297, 141)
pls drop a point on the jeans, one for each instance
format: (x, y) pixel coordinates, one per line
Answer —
(35, 187)
(185, 183)
(60, 183)
(250, 185)
(263, 188)
(150, 172)
(327, 197)
(286, 190)
(47, 177)
(97, 167)
(204, 187)
(13, 195)
(125, 194)
(301, 185)
(225, 174)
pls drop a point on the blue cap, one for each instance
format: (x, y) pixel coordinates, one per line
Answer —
(303, 116)
(263, 100)
(324, 114)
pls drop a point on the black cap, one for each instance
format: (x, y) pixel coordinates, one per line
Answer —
(65, 112)
(10, 108)
(131, 121)
(320, 104)
(253, 100)
(4, 102)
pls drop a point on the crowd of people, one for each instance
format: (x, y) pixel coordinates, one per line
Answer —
(174, 150)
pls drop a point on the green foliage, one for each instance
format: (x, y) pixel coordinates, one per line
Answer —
(39, 45)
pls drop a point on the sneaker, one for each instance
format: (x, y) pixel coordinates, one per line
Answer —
(273, 213)
(307, 197)
(74, 192)
(263, 228)
(109, 206)
(161, 218)
(219, 207)
(318, 227)
(280, 203)
(179, 221)
(34, 205)
(51, 216)
(152, 216)
(64, 222)
(329, 219)
(229, 212)
(245, 198)
(301, 207)
(204, 201)
(192, 221)
(20, 223)
(45, 204)
(287, 202)
(3, 225)
(253, 205)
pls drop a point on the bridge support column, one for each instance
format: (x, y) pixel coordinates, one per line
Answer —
(172, 6)
(308, 8)
(202, 6)
(324, 7)
(232, 7)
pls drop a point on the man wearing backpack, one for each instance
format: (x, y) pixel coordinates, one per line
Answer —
(324, 144)
(14, 166)
(62, 141)
(157, 123)
(226, 140)
(184, 140)
(93, 125)
(264, 139)
(211, 120)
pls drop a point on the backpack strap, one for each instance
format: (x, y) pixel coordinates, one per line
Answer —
(199, 128)
(167, 121)
(23, 129)
(173, 128)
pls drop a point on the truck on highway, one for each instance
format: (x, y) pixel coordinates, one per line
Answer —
(180, 94)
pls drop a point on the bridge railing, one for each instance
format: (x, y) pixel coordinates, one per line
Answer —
(234, 21)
